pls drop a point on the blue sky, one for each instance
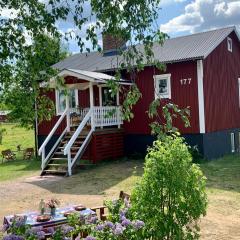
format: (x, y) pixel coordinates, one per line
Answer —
(182, 17)
(176, 18)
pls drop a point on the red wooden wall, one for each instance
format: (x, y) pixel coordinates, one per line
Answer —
(221, 73)
(183, 95)
(105, 144)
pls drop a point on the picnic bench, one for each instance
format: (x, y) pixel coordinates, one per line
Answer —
(28, 153)
(8, 155)
(101, 209)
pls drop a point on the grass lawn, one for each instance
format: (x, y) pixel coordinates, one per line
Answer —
(12, 137)
(104, 181)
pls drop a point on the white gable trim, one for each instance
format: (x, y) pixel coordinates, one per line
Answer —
(218, 41)
(201, 108)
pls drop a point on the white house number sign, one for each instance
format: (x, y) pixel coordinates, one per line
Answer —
(185, 81)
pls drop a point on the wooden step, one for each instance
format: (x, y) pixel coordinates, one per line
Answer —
(58, 158)
(51, 171)
(57, 165)
(80, 136)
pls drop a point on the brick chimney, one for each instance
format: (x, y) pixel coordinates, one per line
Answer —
(112, 44)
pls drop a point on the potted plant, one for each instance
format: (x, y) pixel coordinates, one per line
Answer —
(52, 204)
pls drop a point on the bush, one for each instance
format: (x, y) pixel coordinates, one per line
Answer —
(171, 196)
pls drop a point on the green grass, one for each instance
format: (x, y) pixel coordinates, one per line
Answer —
(15, 136)
(12, 137)
(18, 168)
(223, 173)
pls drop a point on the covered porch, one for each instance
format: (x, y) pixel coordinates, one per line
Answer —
(84, 91)
(84, 106)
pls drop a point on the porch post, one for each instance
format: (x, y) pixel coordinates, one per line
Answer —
(91, 103)
(100, 95)
(118, 108)
(68, 111)
(100, 103)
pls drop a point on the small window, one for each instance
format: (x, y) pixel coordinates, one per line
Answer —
(61, 100)
(162, 86)
(232, 142)
(229, 44)
(107, 98)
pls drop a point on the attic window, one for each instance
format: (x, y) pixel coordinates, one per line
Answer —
(162, 85)
(229, 44)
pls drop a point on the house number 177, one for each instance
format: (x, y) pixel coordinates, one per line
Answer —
(185, 81)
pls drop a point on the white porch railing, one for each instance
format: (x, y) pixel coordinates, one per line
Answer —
(67, 149)
(97, 116)
(42, 149)
(107, 116)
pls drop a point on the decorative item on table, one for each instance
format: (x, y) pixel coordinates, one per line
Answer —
(80, 207)
(52, 204)
(43, 218)
(42, 207)
(68, 213)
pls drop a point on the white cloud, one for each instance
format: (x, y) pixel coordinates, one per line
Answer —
(8, 13)
(202, 15)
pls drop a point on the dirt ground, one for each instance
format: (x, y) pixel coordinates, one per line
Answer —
(90, 187)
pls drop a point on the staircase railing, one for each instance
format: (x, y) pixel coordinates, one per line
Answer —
(42, 149)
(67, 149)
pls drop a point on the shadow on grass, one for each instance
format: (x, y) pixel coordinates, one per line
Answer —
(18, 168)
(223, 173)
(96, 179)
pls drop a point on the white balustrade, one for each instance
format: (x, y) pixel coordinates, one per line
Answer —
(42, 149)
(107, 116)
(96, 116)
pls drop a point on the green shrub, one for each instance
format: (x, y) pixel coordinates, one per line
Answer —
(171, 196)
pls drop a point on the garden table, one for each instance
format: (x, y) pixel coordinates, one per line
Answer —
(58, 219)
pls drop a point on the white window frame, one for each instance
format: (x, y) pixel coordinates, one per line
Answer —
(57, 100)
(233, 143)
(229, 44)
(156, 85)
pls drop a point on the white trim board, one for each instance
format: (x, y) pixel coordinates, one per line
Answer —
(201, 108)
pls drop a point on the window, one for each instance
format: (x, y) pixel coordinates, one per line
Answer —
(61, 100)
(107, 98)
(162, 86)
(229, 44)
(232, 142)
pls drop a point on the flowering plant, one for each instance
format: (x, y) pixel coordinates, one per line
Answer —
(121, 227)
(20, 231)
(53, 203)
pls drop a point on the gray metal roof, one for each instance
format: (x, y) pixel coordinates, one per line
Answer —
(195, 46)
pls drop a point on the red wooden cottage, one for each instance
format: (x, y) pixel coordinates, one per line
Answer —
(202, 72)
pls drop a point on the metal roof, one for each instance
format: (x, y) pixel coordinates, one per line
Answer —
(195, 46)
(90, 76)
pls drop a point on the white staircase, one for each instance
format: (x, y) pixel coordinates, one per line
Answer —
(74, 140)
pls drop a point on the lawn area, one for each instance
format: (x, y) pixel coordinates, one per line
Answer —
(18, 168)
(104, 181)
(12, 137)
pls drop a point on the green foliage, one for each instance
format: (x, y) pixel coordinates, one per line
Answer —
(2, 130)
(170, 197)
(169, 111)
(21, 86)
(132, 97)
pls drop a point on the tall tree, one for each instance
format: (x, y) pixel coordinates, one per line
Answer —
(133, 20)
(22, 89)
